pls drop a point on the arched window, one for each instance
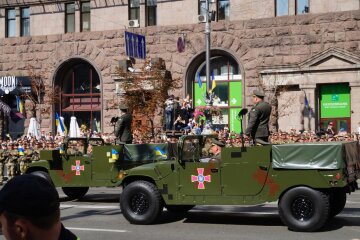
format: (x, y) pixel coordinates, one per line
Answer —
(80, 94)
(228, 90)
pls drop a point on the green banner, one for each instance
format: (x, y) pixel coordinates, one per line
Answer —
(235, 98)
(199, 94)
(234, 122)
(335, 101)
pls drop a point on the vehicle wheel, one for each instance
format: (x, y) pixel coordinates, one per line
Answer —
(75, 192)
(179, 209)
(141, 202)
(44, 175)
(337, 202)
(304, 209)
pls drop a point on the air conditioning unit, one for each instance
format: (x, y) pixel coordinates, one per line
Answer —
(201, 18)
(134, 23)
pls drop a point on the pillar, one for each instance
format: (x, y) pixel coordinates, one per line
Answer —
(355, 102)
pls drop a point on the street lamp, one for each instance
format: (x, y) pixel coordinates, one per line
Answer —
(208, 18)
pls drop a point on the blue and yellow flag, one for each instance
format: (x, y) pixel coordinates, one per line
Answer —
(213, 82)
(159, 152)
(59, 124)
(19, 105)
(114, 154)
(199, 80)
(21, 150)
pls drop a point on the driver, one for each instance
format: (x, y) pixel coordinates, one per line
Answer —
(215, 149)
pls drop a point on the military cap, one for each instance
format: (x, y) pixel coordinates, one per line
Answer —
(217, 142)
(123, 106)
(29, 196)
(258, 93)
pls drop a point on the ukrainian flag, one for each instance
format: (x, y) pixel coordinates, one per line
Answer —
(61, 149)
(19, 105)
(159, 152)
(21, 151)
(60, 125)
(114, 154)
(213, 82)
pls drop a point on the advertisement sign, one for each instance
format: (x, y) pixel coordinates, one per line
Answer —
(335, 101)
(14, 85)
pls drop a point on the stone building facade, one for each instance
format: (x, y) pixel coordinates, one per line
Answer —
(309, 63)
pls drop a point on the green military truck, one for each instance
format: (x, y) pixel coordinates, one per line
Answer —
(309, 180)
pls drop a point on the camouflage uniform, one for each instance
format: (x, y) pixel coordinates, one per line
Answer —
(3, 156)
(36, 153)
(11, 162)
(25, 159)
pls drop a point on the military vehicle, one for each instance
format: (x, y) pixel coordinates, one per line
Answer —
(310, 181)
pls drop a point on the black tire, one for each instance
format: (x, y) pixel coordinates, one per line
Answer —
(337, 202)
(44, 175)
(141, 203)
(179, 209)
(304, 209)
(75, 192)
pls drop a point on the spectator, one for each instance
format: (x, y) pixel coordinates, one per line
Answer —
(169, 112)
(30, 209)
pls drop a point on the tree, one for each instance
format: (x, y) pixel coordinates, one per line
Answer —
(42, 96)
(145, 92)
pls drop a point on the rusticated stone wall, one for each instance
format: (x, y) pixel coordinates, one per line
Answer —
(254, 43)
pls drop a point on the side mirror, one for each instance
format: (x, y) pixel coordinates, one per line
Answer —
(243, 112)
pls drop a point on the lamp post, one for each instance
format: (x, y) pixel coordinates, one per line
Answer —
(209, 95)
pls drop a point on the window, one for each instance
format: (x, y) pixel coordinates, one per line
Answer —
(202, 7)
(281, 7)
(223, 10)
(302, 6)
(134, 9)
(25, 21)
(10, 23)
(85, 17)
(70, 17)
(151, 12)
(226, 87)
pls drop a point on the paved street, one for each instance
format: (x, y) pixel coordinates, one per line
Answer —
(98, 216)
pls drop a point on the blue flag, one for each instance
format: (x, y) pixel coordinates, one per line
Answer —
(199, 80)
(59, 123)
(306, 102)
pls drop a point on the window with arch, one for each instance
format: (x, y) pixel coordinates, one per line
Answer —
(80, 94)
(227, 88)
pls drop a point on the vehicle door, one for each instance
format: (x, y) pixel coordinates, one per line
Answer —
(244, 171)
(76, 168)
(195, 177)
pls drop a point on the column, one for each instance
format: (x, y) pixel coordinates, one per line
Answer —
(309, 113)
(354, 108)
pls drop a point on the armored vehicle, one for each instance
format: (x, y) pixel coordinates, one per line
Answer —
(309, 181)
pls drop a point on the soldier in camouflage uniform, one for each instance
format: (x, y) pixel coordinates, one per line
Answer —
(12, 161)
(3, 157)
(36, 152)
(25, 159)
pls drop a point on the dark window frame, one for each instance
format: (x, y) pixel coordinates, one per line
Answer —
(147, 8)
(22, 19)
(296, 6)
(199, 6)
(68, 14)
(82, 14)
(7, 20)
(129, 11)
(217, 11)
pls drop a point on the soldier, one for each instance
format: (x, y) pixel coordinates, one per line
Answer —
(258, 123)
(25, 159)
(3, 157)
(123, 125)
(215, 149)
(36, 153)
(12, 160)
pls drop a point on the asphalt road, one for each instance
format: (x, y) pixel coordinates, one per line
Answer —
(98, 216)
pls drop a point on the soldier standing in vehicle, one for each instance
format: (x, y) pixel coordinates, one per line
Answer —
(123, 125)
(3, 156)
(36, 154)
(23, 160)
(259, 116)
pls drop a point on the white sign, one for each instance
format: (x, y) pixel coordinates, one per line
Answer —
(8, 83)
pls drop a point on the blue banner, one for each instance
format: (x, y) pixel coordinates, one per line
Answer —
(135, 45)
